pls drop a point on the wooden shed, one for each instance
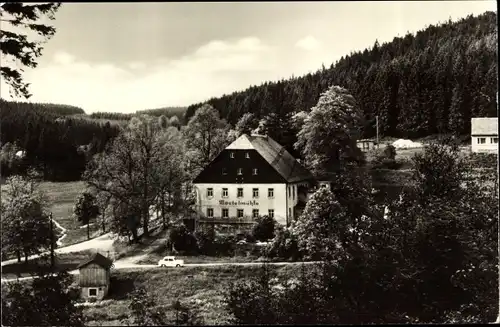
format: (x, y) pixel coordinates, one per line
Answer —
(95, 277)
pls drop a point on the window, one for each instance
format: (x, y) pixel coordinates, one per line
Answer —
(494, 140)
(481, 140)
(240, 192)
(93, 292)
(224, 171)
(225, 193)
(254, 171)
(231, 154)
(293, 192)
(288, 191)
(270, 193)
(240, 213)
(210, 212)
(271, 213)
(240, 171)
(247, 155)
(255, 213)
(210, 192)
(255, 192)
(225, 213)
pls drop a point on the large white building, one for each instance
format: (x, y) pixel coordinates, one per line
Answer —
(254, 176)
(484, 135)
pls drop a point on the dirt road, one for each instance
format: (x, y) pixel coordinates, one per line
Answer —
(102, 243)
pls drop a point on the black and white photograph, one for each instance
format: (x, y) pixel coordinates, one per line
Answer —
(249, 163)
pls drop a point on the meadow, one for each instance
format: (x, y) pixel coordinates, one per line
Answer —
(61, 198)
(200, 288)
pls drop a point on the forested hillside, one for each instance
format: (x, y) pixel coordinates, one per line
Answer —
(55, 142)
(423, 84)
(167, 112)
(49, 108)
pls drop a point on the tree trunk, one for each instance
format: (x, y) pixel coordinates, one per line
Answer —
(135, 238)
(163, 209)
(103, 223)
(145, 227)
(88, 229)
(18, 253)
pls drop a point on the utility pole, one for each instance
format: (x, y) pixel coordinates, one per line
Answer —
(51, 243)
(376, 122)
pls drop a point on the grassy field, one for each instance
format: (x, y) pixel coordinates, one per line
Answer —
(62, 198)
(201, 288)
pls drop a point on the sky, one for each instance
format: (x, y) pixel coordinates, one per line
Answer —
(123, 57)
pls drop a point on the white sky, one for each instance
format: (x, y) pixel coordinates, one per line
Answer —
(123, 57)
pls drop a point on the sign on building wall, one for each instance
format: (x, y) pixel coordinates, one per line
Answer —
(238, 203)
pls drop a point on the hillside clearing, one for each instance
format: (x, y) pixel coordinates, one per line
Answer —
(62, 197)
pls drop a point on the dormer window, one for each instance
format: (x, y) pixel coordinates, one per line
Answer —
(231, 155)
(240, 171)
(247, 155)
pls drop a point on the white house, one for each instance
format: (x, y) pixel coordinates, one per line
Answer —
(254, 176)
(484, 135)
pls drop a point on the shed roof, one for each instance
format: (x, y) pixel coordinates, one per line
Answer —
(484, 126)
(99, 259)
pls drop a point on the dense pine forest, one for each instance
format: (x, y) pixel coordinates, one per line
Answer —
(55, 139)
(419, 85)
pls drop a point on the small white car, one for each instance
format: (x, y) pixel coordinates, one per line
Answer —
(170, 261)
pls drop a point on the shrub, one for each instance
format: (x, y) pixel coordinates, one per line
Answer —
(225, 245)
(206, 241)
(483, 160)
(385, 158)
(182, 240)
(283, 246)
(264, 229)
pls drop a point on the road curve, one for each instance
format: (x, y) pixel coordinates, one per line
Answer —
(103, 243)
(127, 265)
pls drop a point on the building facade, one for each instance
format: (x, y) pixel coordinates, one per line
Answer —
(94, 277)
(366, 145)
(484, 135)
(254, 176)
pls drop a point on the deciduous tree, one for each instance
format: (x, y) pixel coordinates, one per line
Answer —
(86, 209)
(205, 136)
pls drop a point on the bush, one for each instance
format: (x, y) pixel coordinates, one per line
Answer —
(249, 238)
(385, 158)
(483, 160)
(206, 241)
(225, 245)
(182, 240)
(264, 229)
(283, 246)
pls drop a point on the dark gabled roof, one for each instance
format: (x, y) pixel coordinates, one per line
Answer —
(279, 158)
(276, 155)
(99, 259)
